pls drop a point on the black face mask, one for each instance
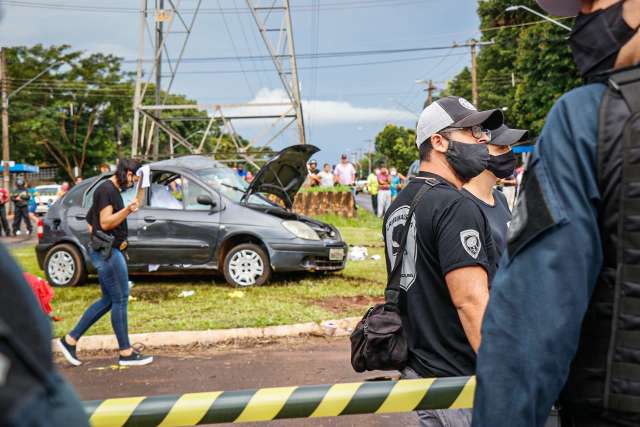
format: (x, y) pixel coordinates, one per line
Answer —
(597, 38)
(467, 160)
(502, 166)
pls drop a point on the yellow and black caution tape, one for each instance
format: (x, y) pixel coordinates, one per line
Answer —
(266, 404)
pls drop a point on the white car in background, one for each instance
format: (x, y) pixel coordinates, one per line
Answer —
(46, 195)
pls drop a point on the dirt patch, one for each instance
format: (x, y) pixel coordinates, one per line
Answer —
(153, 294)
(340, 304)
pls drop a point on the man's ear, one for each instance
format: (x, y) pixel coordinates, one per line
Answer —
(439, 143)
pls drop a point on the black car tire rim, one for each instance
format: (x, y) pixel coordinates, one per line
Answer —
(246, 267)
(61, 268)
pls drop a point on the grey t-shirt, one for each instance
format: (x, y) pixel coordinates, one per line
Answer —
(499, 217)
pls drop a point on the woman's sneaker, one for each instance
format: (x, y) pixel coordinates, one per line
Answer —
(135, 359)
(68, 351)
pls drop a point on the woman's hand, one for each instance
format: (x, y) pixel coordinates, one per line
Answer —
(133, 206)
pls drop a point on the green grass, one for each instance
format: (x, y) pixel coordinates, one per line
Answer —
(334, 189)
(363, 219)
(287, 299)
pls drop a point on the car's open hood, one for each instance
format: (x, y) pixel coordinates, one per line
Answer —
(284, 174)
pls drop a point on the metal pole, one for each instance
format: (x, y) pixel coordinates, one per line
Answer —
(474, 73)
(135, 138)
(295, 90)
(430, 90)
(158, 67)
(5, 120)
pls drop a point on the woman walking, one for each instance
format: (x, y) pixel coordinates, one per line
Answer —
(107, 220)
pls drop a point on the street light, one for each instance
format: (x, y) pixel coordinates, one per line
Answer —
(541, 15)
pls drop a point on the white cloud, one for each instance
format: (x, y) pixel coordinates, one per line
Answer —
(320, 112)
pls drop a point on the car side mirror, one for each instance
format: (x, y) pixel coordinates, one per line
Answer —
(207, 201)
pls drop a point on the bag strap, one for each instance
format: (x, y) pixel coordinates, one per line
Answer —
(392, 291)
(627, 82)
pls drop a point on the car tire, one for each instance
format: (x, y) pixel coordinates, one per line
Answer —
(64, 266)
(247, 265)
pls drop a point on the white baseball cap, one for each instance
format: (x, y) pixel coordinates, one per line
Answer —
(561, 7)
(454, 111)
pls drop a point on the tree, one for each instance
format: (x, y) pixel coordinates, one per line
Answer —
(460, 85)
(524, 71)
(68, 111)
(398, 146)
(78, 110)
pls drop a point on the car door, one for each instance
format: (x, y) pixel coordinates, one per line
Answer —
(174, 228)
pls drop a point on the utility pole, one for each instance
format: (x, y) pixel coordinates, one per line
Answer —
(369, 141)
(474, 72)
(158, 67)
(430, 90)
(5, 119)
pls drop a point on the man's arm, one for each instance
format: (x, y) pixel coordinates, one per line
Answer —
(469, 290)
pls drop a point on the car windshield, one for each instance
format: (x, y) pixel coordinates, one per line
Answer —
(230, 184)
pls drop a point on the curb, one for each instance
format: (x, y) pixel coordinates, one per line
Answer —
(340, 327)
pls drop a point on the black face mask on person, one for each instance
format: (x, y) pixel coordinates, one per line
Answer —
(597, 37)
(503, 165)
(467, 160)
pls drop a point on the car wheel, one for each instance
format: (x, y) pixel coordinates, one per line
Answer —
(64, 266)
(247, 265)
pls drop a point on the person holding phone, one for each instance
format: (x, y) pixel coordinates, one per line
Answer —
(107, 220)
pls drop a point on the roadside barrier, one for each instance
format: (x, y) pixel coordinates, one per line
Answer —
(266, 404)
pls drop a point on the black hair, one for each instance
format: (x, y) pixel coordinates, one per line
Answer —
(124, 166)
(425, 150)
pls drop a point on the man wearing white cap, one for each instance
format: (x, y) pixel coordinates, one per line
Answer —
(563, 320)
(448, 257)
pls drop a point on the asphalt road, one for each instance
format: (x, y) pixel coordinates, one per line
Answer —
(272, 363)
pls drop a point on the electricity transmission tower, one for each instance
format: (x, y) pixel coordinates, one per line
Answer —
(165, 20)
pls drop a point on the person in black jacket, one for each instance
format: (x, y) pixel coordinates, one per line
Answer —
(20, 199)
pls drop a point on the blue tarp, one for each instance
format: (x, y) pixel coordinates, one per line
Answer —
(23, 168)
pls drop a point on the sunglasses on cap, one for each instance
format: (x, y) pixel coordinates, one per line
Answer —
(477, 131)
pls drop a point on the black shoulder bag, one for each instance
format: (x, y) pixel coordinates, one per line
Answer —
(378, 341)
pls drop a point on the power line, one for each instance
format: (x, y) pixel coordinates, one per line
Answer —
(211, 11)
(321, 55)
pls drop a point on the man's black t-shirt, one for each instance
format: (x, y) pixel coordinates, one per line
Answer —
(499, 217)
(107, 194)
(448, 231)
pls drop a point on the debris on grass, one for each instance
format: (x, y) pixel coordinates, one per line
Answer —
(236, 294)
(358, 253)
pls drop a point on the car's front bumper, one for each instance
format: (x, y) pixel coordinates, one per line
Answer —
(307, 257)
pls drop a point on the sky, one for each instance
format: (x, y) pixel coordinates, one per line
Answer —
(347, 99)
